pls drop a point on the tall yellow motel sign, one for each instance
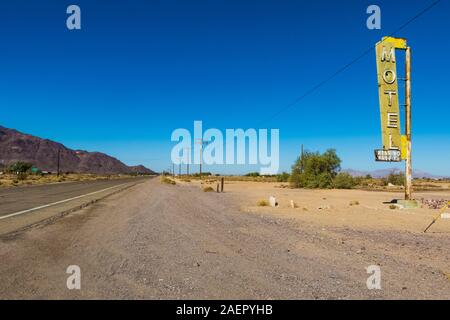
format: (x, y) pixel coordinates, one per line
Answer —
(388, 92)
(395, 146)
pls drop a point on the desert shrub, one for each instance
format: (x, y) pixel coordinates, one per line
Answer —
(396, 179)
(284, 177)
(208, 189)
(204, 174)
(262, 203)
(315, 170)
(252, 174)
(20, 167)
(22, 176)
(344, 181)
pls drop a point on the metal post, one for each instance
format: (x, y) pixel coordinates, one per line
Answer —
(408, 169)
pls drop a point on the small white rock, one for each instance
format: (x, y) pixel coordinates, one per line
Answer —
(273, 202)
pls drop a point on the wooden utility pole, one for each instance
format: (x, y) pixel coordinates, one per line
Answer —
(408, 169)
(201, 158)
(57, 162)
(201, 142)
(188, 160)
(301, 161)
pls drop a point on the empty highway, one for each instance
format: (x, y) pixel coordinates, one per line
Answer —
(15, 200)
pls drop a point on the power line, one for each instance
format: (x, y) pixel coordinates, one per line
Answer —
(346, 66)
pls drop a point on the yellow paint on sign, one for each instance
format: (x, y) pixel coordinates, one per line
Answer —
(404, 142)
(398, 43)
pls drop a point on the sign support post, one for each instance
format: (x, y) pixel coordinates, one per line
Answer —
(408, 169)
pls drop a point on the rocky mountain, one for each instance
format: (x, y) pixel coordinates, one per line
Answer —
(43, 154)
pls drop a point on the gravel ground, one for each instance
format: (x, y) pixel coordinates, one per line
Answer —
(156, 241)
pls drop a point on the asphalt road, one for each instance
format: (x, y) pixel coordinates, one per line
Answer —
(22, 198)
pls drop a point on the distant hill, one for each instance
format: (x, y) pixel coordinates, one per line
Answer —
(385, 172)
(43, 154)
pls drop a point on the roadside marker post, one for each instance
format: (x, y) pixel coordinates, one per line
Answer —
(442, 215)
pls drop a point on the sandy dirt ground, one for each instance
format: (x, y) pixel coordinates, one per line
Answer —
(157, 241)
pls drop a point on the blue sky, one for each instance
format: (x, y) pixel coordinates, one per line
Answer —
(138, 70)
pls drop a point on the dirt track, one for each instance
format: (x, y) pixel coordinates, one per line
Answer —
(157, 241)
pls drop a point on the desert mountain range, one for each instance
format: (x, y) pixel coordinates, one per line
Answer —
(43, 154)
(381, 173)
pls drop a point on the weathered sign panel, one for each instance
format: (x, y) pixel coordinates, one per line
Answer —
(388, 92)
(388, 155)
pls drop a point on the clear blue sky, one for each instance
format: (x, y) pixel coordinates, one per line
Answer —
(140, 69)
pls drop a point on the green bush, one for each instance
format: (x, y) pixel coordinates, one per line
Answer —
(315, 170)
(344, 181)
(20, 167)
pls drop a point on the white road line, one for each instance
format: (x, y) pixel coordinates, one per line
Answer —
(58, 202)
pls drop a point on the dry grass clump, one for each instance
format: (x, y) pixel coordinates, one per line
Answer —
(252, 179)
(14, 180)
(208, 189)
(262, 203)
(167, 180)
(354, 203)
(393, 207)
